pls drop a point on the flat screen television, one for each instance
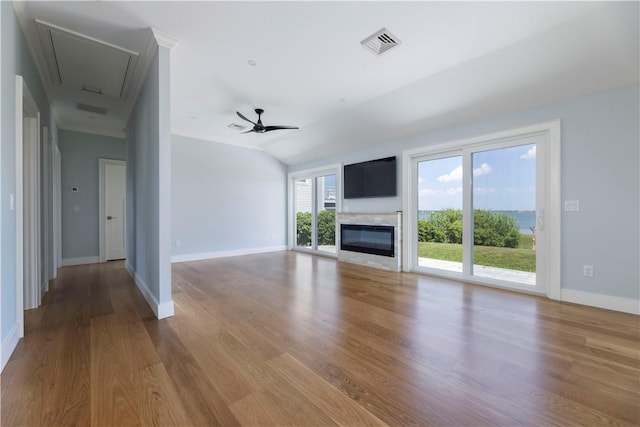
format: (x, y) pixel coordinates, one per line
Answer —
(375, 178)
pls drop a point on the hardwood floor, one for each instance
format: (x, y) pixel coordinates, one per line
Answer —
(290, 339)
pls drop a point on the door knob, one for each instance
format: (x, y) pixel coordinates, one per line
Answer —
(111, 217)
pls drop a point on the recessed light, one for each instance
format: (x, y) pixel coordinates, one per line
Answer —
(251, 62)
(342, 100)
(192, 117)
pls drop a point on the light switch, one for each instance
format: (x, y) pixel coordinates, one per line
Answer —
(571, 205)
(76, 208)
(12, 202)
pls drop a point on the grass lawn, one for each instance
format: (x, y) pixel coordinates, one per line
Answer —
(522, 258)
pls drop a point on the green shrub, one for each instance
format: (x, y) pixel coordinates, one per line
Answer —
(303, 228)
(326, 228)
(428, 232)
(495, 229)
(448, 222)
(490, 228)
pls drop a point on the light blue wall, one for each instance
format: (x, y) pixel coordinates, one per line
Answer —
(600, 164)
(225, 198)
(80, 153)
(15, 60)
(148, 181)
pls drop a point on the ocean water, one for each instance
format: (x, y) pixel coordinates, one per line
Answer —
(525, 219)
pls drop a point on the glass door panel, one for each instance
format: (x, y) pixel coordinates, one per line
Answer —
(315, 207)
(504, 213)
(440, 217)
(303, 198)
(326, 213)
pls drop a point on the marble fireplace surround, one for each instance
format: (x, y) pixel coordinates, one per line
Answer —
(393, 219)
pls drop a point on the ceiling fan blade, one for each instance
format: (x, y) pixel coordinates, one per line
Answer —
(244, 118)
(270, 128)
(247, 131)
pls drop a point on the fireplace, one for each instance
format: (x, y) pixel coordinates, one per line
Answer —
(368, 239)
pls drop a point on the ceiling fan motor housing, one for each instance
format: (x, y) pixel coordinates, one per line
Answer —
(258, 127)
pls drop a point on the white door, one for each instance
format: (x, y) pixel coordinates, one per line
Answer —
(115, 187)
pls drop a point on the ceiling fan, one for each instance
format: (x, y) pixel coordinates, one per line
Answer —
(259, 127)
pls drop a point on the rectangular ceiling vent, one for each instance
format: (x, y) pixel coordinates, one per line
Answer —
(380, 42)
(236, 126)
(92, 109)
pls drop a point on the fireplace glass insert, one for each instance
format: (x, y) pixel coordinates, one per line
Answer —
(368, 239)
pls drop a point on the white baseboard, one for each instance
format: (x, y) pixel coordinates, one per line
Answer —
(80, 261)
(129, 268)
(222, 254)
(166, 309)
(9, 345)
(625, 305)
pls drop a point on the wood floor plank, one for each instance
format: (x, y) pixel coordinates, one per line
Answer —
(291, 339)
(113, 375)
(231, 385)
(342, 410)
(159, 403)
(203, 403)
(257, 409)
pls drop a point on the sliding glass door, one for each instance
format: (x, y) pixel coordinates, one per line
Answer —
(314, 206)
(479, 212)
(439, 225)
(504, 213)
(304, 212)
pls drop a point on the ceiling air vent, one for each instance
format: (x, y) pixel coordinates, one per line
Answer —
(236, 126)
(92, 109)
(380, 42)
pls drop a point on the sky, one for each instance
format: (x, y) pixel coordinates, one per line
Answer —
(503, 180)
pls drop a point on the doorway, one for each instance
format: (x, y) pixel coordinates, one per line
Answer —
(313, 206)
(27, 204)
(57, 210)
(486, 210)
(112, 207)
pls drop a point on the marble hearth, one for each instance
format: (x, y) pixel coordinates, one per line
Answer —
(373, 234)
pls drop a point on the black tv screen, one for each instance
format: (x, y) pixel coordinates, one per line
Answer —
(375, 178)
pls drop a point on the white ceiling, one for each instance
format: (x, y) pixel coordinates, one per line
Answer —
(458, 61)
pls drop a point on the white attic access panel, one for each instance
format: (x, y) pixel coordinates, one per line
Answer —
(80, 62)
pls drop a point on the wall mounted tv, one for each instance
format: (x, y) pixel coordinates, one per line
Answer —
(375, 178)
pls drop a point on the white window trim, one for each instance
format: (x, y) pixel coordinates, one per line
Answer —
(551, 247)
(333, 169)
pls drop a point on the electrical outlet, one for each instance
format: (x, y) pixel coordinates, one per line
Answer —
(178, 243)
(587, 270)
